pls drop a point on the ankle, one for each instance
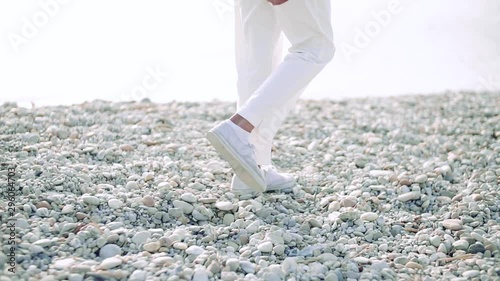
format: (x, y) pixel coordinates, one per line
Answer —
(242, 123)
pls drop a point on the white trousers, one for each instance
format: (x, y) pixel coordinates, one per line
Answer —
(268, 87)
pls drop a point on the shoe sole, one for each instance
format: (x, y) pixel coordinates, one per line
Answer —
(283, 187)
(240, 168)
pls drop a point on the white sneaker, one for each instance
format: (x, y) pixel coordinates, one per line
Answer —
(241, 156)
(275, 181)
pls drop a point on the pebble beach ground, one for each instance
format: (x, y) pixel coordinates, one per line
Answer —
(398, 188)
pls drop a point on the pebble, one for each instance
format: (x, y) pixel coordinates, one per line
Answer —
(68, 209)
(132, 185)
(453, 224)
(369, 216)
(184, 206)
(224, 206)
(247, 266)
(194, 250)
(349, 216)
(141, 237)
(138, 275)
(435, 240)
(476, 248)
(91, 200)
(110, 250)
(253, 227)
(151, 246)
(461, 245)
(200, 274)
(413, 265)
(421, 179)
(148, 201)
(109, 263)
(379, 173)
(228, 219)
(123, 191)
(233, 264)
(189, 197)
(43, 204)
(470, 273)
(348, 202)
(405, 197)
(265, 247)
(115, 203)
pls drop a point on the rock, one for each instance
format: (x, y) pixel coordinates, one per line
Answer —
(401, 260)
(361, 260)
(175, 212)
(44, 242)
(379, 173)
(228, 276)
(148, 176)
(452, 224)
(461, 245)
(253, 227)
(148, 201)
(413, 265)
(75, 277)
(470, 273)
(233, 264)
(421, 179)
(80, 215)
(224, 206)
(184, 206)
(131, 185)
(331, 277)
(413, 195)
(406, 182)
(138, 275)
(435, 240)
(476, 248)
(68, 209)
(115, 203)
(228, 219)
(349, 216)
(200, 274)
(265, 247)
(126, 147)
(247, 267)
(110, 263)
(194, 250)
(151, 247)
(110, 250)
(141, 237)
(279, 250)
(327, 257)
(63, 264)
(180, 246)
(43, 204)
(369, 216)
(348, 202)
(91, 200)
(189, 197)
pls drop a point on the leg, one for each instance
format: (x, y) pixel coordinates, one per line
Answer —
(307, 25)
(258, 53)
(258, 45)
(256, 36)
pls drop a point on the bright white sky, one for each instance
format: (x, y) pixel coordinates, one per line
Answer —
(103, 49)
